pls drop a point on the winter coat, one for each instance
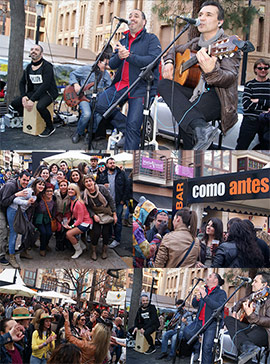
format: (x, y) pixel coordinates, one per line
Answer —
(121, 184)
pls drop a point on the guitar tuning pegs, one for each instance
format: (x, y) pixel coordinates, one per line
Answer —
(226, 56)
(220, 57)
(232, 54)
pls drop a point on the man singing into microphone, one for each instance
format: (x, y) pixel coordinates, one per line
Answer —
(215, 96)
(136, 50)
(250, 335)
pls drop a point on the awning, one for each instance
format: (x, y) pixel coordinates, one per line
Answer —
(161, 202)
(161, 302)
(250, 207)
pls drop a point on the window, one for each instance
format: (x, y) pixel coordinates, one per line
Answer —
(29, 278)
(49, 284)
(65, 288)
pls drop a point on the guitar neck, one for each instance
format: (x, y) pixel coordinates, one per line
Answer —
(188, 64)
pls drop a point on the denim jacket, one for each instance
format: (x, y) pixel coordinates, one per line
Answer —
(81, 73)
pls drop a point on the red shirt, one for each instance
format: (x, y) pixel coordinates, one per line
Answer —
(15, 356)
(124, 82)
(202, 313)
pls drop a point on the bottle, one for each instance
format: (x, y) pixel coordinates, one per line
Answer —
(113, 142)
(2, 125)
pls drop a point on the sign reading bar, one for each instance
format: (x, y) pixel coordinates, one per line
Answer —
(250, 185)
(184, 171)
(153, 164)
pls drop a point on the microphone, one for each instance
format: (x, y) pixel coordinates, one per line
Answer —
(246, 279)
(122, 20)
(195, 22)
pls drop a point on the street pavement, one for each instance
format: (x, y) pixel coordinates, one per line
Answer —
(15, 139)
(118, 258)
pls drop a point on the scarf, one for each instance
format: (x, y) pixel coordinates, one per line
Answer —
(200, 88)
(37, 63)
(92, 196)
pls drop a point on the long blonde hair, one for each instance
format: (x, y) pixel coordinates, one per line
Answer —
(77, 191)
(36, 318)
(101, 341)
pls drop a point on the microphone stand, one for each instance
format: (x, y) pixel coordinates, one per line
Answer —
(178, 342)
(217, 316)
(147, 75)
(94, 69)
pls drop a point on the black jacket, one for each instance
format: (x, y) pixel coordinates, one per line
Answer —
(152, 232)
(7, 193)
(147, 322)
(48, 86)
(227, 256)
(121, 184)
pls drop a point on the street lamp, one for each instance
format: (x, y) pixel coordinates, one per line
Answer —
(76, 39)
(39, 12)
(154, 276)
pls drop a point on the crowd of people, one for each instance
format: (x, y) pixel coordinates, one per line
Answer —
(79, 206)
(39, 333)
(239, 246)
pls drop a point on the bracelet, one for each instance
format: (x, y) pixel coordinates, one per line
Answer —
(168, 61)
(72, 226)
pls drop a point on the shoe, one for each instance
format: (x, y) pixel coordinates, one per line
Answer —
(13, 261)
(205, 136)
(42, 253)
(94, 253)
(249, 351)
(114, 244)
(104, 252)
(151, 350)
(4, 261)
(78, 251)
(47, 132)
(25, 255)
(162, 356)
(76, 138)
(127, 223)
(169, 358)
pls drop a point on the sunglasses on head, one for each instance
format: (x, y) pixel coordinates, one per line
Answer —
(263, 68)
(160, 211)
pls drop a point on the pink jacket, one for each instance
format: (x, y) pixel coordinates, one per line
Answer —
(80, 213)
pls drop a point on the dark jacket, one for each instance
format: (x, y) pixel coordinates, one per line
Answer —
(227, 256)
(213, 301)
(152, 232)
(48, 86)
(144, 49)
(224, 78)
(5, 357)
(261, 319)
(121, 184)
(8, 192)
(146, 323)
(265, 251)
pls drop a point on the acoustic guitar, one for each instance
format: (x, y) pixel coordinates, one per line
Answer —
(72, 99)
(259, 296)
(187, 71)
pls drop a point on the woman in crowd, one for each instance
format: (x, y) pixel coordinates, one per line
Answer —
(66, 353)
(11, 352)
(213, 236)
(96, 350)
(59, 177)
(240, 249)
(43, 340)
(101, 208)
(42, 172)
(45, 212)
(62, 213)
(82, 222)
(79, 329)
(180, 248)
(77, 178)
(83, 168)
(53, 173)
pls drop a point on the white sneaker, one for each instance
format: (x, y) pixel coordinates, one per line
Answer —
(114, 244)
(78, 251)
(82, 245)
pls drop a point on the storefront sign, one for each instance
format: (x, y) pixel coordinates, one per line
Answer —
(184, 171)
(249, 185)
(153, 164)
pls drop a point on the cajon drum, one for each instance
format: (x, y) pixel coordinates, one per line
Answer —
(141, 345)
(32, 121)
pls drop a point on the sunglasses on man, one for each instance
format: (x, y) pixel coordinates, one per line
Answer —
(262, 68)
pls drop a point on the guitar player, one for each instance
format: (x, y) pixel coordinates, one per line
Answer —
(215, 96)
(77, 79)
(249, 336)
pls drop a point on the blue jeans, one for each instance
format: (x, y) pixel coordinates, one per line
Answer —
(45, 234)
(35, 360)
(165, 338)
(130, 125)
(12, 234)
(86, 111)
(208, 340)
(118, 225)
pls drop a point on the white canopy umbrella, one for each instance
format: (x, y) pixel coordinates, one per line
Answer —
(18, 289)
(72, 157)
(69, 300)
(123, 157)
(52, 294)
